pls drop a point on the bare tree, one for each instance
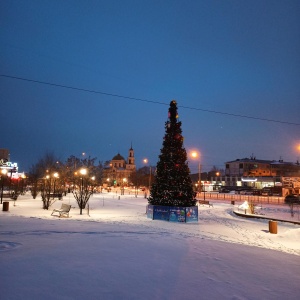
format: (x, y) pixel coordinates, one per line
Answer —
(83, 190)
(50, 176)
(34, 176)
(41, 178)
(46, 193)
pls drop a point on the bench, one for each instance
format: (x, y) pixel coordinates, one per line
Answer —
(205, 202)
(56, 195)
(63, 211)
(12, 196)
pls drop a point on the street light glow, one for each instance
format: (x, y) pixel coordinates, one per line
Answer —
(195, 154)
(83, 171)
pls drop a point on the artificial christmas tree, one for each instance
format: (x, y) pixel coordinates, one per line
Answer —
(172, 183)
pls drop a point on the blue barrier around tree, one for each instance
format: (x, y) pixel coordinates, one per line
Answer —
(173, 213)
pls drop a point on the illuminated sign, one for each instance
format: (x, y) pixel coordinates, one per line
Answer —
(4, 164)
(291, 182)
(249, 179)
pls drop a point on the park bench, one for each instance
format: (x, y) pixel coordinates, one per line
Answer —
(56, 195)
(205, 202)
(12, 196)
(63, 211)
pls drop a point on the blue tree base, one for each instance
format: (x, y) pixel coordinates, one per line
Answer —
(173, 213)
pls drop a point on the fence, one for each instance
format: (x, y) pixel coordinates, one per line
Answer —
(241, 198)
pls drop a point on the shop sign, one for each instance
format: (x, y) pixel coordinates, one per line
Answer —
(4, 164)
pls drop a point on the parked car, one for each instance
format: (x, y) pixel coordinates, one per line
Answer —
(266, 192)
(289, 199)
(222, 190)
(246, 192)
(249, 193)
(257, 192)
(272, 191)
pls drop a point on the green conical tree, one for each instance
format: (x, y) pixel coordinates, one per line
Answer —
(172, 183)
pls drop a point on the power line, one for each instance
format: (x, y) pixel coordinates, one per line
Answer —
(83, 90)
(146, 100)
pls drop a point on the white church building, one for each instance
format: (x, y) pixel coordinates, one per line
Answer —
(120, 169)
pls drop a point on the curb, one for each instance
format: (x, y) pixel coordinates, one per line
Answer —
(264, 218)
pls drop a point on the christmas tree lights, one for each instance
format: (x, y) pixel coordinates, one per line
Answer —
(172, 183)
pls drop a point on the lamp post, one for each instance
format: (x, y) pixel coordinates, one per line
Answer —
(55, 175)
(195, 154)
(49, 186)
(4, 172)
(150, 171)
(83, 172)
(217, 175)
(124, 181)
(93, 178)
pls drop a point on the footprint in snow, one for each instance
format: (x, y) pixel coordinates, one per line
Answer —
(5, 246)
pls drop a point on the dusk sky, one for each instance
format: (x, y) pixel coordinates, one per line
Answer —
(230, 65)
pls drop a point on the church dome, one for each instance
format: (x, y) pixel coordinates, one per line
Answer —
(118, 157)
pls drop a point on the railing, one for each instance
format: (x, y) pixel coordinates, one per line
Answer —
(241, 198)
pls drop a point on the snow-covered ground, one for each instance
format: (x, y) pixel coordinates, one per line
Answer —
(115, 252)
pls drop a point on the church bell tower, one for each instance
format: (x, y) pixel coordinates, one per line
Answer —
(130, 160)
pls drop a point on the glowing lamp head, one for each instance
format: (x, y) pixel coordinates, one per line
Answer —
(194, 154)
(83, 171)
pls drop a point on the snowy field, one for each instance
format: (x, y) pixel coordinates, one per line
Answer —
(113, 251)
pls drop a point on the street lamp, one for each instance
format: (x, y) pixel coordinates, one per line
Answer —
(23, 177)
(123, 186)
(55, 175)
(196, 155)
(93, 178)
(49, 185)
(4, 172)
(83, 172)
(145, 160)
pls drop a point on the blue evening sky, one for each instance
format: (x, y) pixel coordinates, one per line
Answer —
(234, 57)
